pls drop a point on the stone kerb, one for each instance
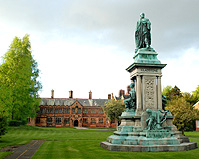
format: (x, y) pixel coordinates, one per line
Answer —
(154, 148)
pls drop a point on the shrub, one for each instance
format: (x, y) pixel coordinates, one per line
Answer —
(17, 122)
(3, 125)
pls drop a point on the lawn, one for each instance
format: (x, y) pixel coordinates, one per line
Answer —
(72, 143)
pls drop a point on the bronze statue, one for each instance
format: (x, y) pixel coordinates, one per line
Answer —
(142, 33)
(155, 120)
(130, 103)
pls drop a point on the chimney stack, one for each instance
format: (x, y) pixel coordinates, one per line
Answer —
(109, 96)
(121, 93)
(52, 93)
(90, 95)
(128, 89)
(70, 94)
(112, 96)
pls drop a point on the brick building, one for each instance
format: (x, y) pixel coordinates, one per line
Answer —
(196, 106)
(70, 112)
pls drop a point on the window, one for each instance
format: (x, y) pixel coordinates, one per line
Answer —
(113, 121)
(37, 120)
(49, 120)
(66, 120)
(85, 120)
(56, 110)
(60, 110)
(93, 120)
(101, 120)
(85, 110)
(51, 110)
(28, 120)
(197, 123)
(101, 111)
(93, 110)
(79, 110)
(58, 121)
(66, 110)
(42, 110)
(73, 110)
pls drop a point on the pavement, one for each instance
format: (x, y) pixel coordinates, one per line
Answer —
(106, 130)
(25, 151)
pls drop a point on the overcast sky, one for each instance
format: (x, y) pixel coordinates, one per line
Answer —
(84, 45)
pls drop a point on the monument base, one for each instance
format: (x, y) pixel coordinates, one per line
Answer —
(132, 136)
(148, 148)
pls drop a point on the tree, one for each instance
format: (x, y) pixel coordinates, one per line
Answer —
(3, 123)
(196, 93)
(171, 93)
(183, 112)
(166, 90)
(113, 109)
(190, 98)
(18, 76)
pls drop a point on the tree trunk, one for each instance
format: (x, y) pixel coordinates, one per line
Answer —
(183, 132)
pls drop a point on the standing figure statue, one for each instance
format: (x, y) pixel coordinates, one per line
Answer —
(142, 33)
(130, 103)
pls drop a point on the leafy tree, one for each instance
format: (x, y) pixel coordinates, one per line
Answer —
(113, 109)
(18, 76)
(183, 112)
(196, 93)
(171, 93)
(190, 98)
(166, 90)
(3, 123)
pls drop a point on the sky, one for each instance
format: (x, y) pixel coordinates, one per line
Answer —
(84, 45)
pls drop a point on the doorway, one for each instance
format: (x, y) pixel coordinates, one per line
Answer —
(76, 123)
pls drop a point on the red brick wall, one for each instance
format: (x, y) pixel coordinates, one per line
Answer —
(94, 116)
(197, 128)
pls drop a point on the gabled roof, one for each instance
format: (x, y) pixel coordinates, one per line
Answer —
(71, 101)
(196, 106)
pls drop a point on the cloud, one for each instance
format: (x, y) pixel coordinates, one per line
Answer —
(174, 23)
(90, 43)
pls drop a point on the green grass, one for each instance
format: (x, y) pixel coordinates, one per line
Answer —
(79, 143)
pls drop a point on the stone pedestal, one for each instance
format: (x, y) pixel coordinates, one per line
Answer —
(132, 135)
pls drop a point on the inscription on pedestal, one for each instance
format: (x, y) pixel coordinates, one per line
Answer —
(149, 92)
(149, 70)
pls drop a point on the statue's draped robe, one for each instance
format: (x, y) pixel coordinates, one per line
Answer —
(142, 34)
(130, 103)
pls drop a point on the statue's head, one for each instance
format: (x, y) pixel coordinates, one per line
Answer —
(142, 15)
(149, 111)
(132, 85)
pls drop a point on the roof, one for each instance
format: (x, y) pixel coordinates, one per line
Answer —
(196, 105)
(70, 101)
